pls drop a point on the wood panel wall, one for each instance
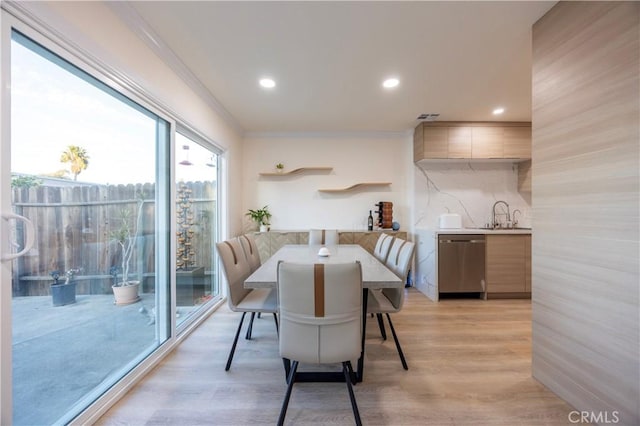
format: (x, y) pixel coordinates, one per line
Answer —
(585, 186)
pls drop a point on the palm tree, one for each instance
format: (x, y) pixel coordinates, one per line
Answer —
(78, 158)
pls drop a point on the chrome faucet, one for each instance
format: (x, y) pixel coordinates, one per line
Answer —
(493, 213)
(513, 215)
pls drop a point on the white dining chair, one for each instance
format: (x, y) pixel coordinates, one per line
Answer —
(390, 300)
(250, 249)
(381, 252)
(324, 237)
(383, 245)
(320, 319)
(252, 255)
(240, 299)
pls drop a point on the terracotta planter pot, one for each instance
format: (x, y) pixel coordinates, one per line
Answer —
(126, 294)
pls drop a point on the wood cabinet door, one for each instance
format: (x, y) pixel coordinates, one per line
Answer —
(367, 240)
(263, 241)
(346, 237)
(505, 263)
(517, 142)
(279, 239)
(486, 142)
(435, 142)
(459, 142)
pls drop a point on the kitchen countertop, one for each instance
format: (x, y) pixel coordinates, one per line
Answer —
(514, 231)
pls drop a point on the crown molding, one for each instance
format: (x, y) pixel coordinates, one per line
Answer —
(143, 30)
(319, 135)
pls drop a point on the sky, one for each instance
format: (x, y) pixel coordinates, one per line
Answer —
(51, 108)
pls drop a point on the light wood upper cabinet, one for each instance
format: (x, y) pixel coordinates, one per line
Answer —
(418, 143)
(459, 142)
(517, 142)
(487, 142)
(472, 140)
(436, 142)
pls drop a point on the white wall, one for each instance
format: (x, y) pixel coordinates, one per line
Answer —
(295, 201)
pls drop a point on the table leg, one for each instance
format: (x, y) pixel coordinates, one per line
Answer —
(365, 298)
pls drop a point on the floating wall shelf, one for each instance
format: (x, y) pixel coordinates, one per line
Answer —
(298, 170)
(356, 186)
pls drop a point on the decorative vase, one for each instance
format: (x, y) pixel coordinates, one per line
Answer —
(263, 228)
(126, 294)
(63, 294)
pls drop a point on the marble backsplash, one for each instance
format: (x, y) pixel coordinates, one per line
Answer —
(469, 189)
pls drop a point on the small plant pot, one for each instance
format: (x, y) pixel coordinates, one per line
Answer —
(264, 228)
(126, 294)
(63, 294)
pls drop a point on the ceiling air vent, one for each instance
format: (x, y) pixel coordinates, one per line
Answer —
(428, 117)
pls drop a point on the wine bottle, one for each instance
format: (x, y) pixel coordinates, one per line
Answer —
(370, 222)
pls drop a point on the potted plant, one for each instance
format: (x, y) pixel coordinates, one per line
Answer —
(65, 293)
(126, 290)
(261, 217)
(279, 167)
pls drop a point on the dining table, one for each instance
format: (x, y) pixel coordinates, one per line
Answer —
(375, 275)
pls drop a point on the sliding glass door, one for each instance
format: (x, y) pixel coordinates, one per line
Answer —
(196, 224)
(85, 166)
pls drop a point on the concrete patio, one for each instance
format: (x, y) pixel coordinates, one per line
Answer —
(61, 354)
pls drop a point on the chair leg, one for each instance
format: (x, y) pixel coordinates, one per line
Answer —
(381, 326)
(235, 342)
(395, 337)
(287, 368)
(250, 329)
(354, 378)
(287, 396)
(352, 397)
(275, 318)
(259, 315)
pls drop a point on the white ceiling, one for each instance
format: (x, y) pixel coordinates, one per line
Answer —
(458, 59)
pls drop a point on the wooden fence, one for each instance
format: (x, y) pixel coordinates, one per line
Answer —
(74, 227)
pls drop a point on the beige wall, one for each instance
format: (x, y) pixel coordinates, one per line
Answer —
(295, 201)
(586, 118)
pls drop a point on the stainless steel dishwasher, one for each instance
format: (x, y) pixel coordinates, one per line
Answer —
(461, 263)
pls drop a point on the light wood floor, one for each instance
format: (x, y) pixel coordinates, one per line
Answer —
(469, 364)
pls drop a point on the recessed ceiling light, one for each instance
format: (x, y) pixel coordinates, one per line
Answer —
(498, 111)
(390, 83)
(267, 83)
